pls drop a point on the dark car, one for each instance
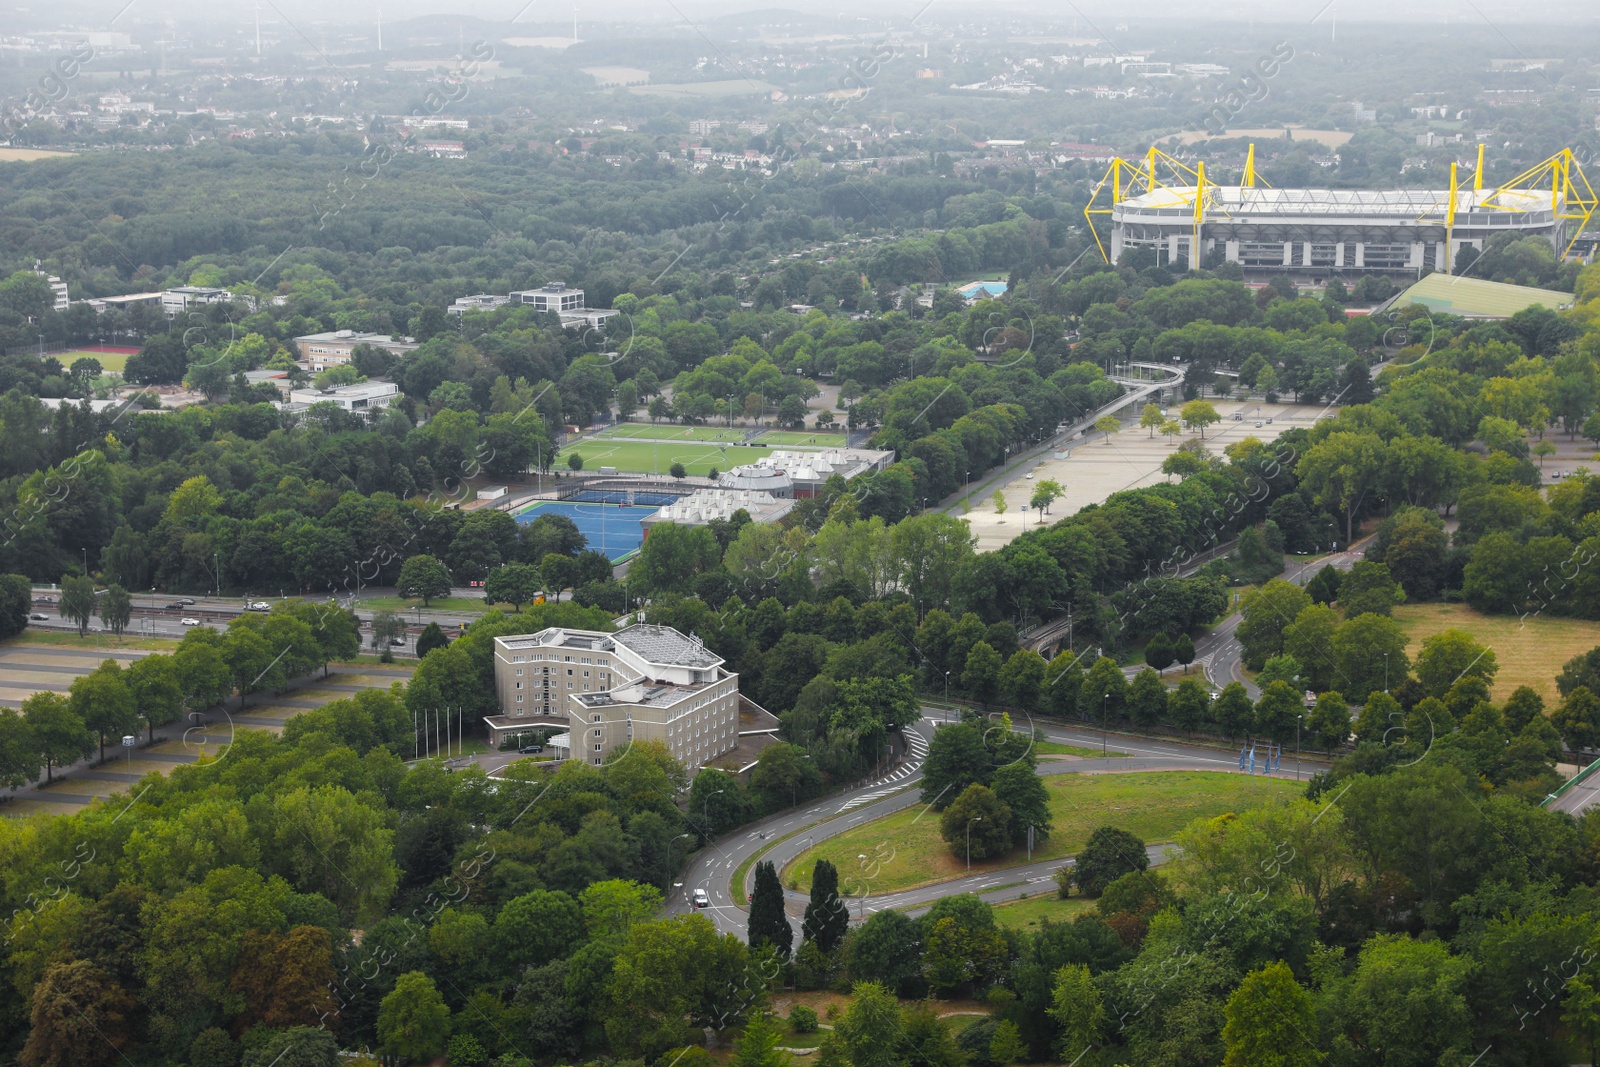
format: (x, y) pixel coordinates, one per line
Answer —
(176, 605)
(36, 617)
(527, 750)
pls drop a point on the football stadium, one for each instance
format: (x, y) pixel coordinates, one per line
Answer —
(1173, 209)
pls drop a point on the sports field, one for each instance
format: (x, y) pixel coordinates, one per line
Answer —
(803, 439)
(636, 431)
(112, 359)
(612, 529)
(649, 457)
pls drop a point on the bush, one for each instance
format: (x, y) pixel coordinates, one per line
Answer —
(803, 1020)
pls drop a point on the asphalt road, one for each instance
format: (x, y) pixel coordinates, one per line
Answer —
(1219, 652)
(153, 617)
(713, 867)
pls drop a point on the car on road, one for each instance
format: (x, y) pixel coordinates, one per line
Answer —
(36, 617)
(701, 900)
(529, 750)
(397, 642)
(176, 605)
(45, 599)
(191, 622)
(183, 601)
(257, 605)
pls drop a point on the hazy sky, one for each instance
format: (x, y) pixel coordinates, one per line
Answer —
(122, 14)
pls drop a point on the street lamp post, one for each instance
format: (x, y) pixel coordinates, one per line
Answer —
(947, 691)
(1299, 721)
(706, 807)
(1105, 712)
(975, 818)
(861, 897)
(1386, 672)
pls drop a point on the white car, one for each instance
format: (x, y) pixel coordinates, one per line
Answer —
(191, 622)
(701, 899)
(258, 605)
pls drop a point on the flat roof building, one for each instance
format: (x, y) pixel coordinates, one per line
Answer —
(319, 351)
(363, 396)
(553, 297)
(642, 683)
(180, 299)
(477, 302)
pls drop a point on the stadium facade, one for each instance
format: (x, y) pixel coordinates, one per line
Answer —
(1170, 208)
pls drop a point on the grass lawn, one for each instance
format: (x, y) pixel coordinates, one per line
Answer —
(111, 362)
(449, 603)
(669, 432)
(1153, 806)
(1056, 748)
(62, 639)
(1028, 911)
(1529, 651)
(648, 457)
(802, 438)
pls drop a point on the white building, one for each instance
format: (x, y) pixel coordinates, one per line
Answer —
(477, 302)
(363, 396)
(607, 691)
(57, 286)
(553, 297)
(176, 301)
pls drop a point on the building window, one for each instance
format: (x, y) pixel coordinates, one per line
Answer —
(519, 698)
(519, 672)
(596, 718)
(597, 749)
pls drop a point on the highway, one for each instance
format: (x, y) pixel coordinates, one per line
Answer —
(713, 867)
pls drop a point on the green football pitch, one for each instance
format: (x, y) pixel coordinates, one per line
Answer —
(635, 430)
(803, 438)
(649, 457)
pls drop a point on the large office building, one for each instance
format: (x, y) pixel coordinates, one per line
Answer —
(605, 691)
(319, 351)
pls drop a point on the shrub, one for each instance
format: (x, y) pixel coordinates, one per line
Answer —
(803, 1020)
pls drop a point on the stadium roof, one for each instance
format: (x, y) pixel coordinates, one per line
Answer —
(1475, 298)
(1391, 203)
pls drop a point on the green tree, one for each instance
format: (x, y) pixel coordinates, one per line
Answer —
(1109, 854)
(59, 734)
(1019, 789)
(1341, 471)
(1329, 722)
(1577, 719)
(1150, 418)
(1323, 588)
(1369, 653)
(1183, 651)
(1369, 588)
(102, 700)
(1232, 711)
(116, 609)
(977, 824)
(886, 949)
(432, 637)
(1270, 1022)
(1450, 655)
(1408, 997)
(512, 583)
(1188, 705)
(77, 601)
(1078, 1009)
(557, 572)
(413, 1020)
(1309, 640)
(1278, 710)
(1158, 651)
(982, 671)
(537, 927)
(1267, 613)
(1199, 414)
(19, 752)
(758, 1045)
(871, 1029)
(678, 470)
(768, 923)
(827, 915)
(1045, 493)
(1108, 425)
(575, 461)
(999, 502)
(1006, 1046)
(1021, 680)
(424, 576)
(153, 683)
(1147, 698)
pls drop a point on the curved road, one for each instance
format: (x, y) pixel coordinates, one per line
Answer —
(713, 867)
